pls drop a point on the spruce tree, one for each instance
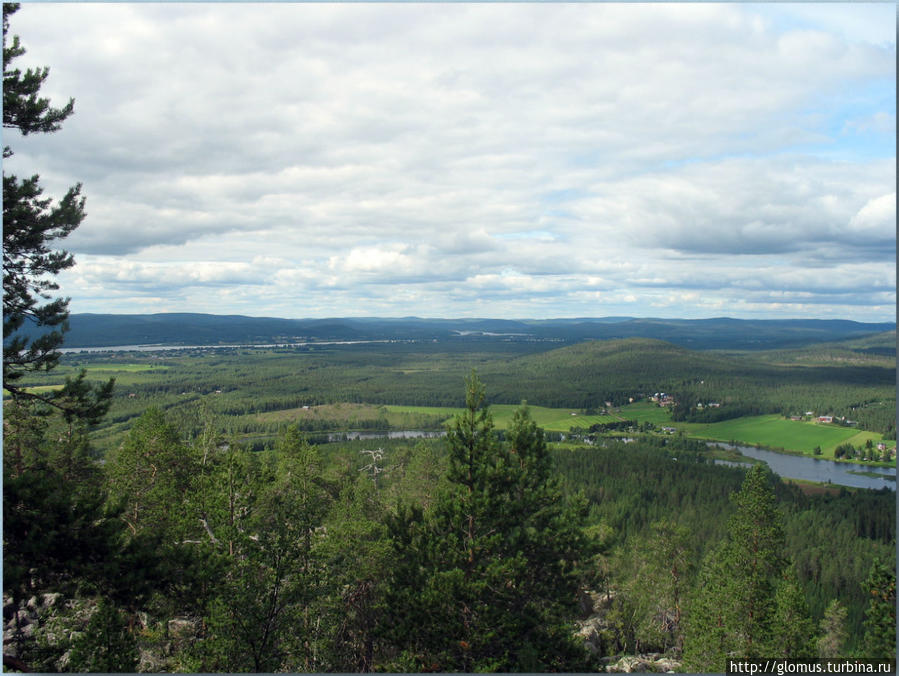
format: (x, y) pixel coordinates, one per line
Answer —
(357, 553)
(106, 645)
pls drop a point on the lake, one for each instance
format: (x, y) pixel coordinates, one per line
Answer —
(815, 469)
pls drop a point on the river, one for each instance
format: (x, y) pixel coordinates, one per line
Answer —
(394, 434)
(787, 466)
(815, 469)
(162, 347)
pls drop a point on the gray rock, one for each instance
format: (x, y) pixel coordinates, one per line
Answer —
(151, 662)
(63, 662)
(651, 663)
(625, 665)
(143, 619)
(666, 665)
(589, 632)
(182, 627)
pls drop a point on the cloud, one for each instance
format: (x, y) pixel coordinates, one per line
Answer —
(876, 221)
(155, 275)
(430, 157)
(742, 207)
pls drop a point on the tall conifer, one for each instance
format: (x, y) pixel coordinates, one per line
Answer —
(880, 616)
(485, 580)
(744, 603)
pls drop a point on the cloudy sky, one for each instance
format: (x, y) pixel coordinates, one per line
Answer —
(459, 160)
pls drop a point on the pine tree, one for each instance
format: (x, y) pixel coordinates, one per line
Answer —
(485, 580)
(656, 589)
(266, 615)
(713, 616)
(31, 223)
(880, 616)
(151, 475)
(741, 605)
(793, 632)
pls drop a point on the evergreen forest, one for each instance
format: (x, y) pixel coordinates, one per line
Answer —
(479, 551)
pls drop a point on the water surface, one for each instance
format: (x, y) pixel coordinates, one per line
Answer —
(816, 469)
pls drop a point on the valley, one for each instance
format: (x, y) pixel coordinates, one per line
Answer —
(767, 398)
(644, 434)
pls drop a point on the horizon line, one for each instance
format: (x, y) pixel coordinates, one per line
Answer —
(474, 318)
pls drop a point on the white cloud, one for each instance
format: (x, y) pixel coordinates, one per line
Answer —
(876, 220)
(745, 206)
(436, 156)
(372, 260)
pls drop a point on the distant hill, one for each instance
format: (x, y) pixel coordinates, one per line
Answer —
(104, 330)
(628, 364)
(878, 343)
(746, 382)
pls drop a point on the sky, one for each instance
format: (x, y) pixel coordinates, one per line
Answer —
(473, 160)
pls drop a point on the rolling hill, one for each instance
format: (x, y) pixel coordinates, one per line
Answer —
(104, 330)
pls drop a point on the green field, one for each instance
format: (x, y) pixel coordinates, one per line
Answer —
(645, 411)
(39, 389)
(446, 412)
(775, 432)
(127, 368)
(772, 431)
(550, 419)
(124, 373)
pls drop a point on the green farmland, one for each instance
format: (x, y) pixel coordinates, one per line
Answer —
(772, 431)
(775, 432)
(125, 374)
(550, 419)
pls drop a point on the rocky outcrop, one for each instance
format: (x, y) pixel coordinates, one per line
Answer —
(649, 663)
(594, 606)
(594, 630)
(38, 634)
(45, 620)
